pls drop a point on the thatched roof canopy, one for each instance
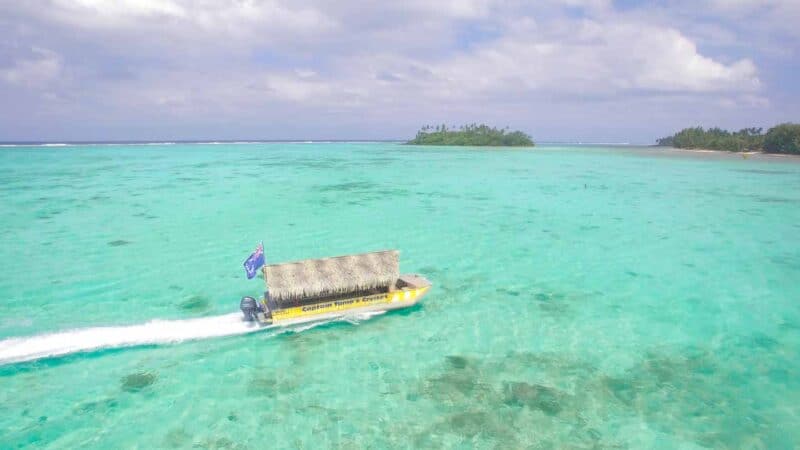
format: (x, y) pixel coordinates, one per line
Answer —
(330, 276)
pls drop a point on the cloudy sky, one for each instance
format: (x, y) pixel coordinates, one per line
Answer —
(566, 70)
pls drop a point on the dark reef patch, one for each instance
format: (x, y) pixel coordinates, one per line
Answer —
(765, 171)
(195, 303)
(437, 195)
(396, 192)
(429, 270)
(177, 438)
(329, 163)
(103, 406)
(348, 187)
(787, 259)
(534, 396)
(119, 243)
(477, 427)
(379, 161)
(268, 386)
(548, 296)
(552, 302)
(693, 393)
(48, 213)
(185, 178)
(469, 423)
(145, 215)
(264, 385)
(137, 381)
(457, 362)
(763, 341)
(790, 325)
(508, 292)
(219, 443)
(319, 164)
(766, 199)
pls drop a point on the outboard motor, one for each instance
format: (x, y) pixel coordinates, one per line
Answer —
(249, 308)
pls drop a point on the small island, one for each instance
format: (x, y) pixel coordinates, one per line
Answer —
(471, 135)
(783, 138)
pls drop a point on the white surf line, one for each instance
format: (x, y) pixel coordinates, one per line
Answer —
(14, 350)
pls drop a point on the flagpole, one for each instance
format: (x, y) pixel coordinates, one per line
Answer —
(264, 273)
(264, 267)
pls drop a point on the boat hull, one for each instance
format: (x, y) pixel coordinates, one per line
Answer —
(346, 306)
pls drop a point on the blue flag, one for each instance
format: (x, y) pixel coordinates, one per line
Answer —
(255, 261)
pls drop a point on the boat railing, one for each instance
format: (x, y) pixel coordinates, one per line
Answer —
(329, 298)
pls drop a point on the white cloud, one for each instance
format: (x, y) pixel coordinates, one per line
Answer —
(670, 61)
(196, 60)
(747, 6)
(585, 59)
(121, 9)
(590, 59)
(297, 88)
(36, 70)
(760, 16)
(464, 9)
(232, 18)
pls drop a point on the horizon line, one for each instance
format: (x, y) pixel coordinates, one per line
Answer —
(33, 143)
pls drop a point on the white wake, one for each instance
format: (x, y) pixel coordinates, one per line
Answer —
(153, 332)
(14, 350)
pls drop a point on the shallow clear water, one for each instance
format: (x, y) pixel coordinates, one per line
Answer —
(583, 297)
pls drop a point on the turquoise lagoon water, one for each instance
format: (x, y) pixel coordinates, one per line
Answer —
(585, 297)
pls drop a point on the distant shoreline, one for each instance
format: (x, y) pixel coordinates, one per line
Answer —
(783, 138)
(743, 155)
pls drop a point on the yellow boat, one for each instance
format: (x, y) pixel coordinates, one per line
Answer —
(316, 289)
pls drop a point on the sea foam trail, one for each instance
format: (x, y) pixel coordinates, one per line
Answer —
(154, 332)
(14, 350)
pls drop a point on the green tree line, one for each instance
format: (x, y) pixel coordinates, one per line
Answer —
(471, 135)
(783, 138)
